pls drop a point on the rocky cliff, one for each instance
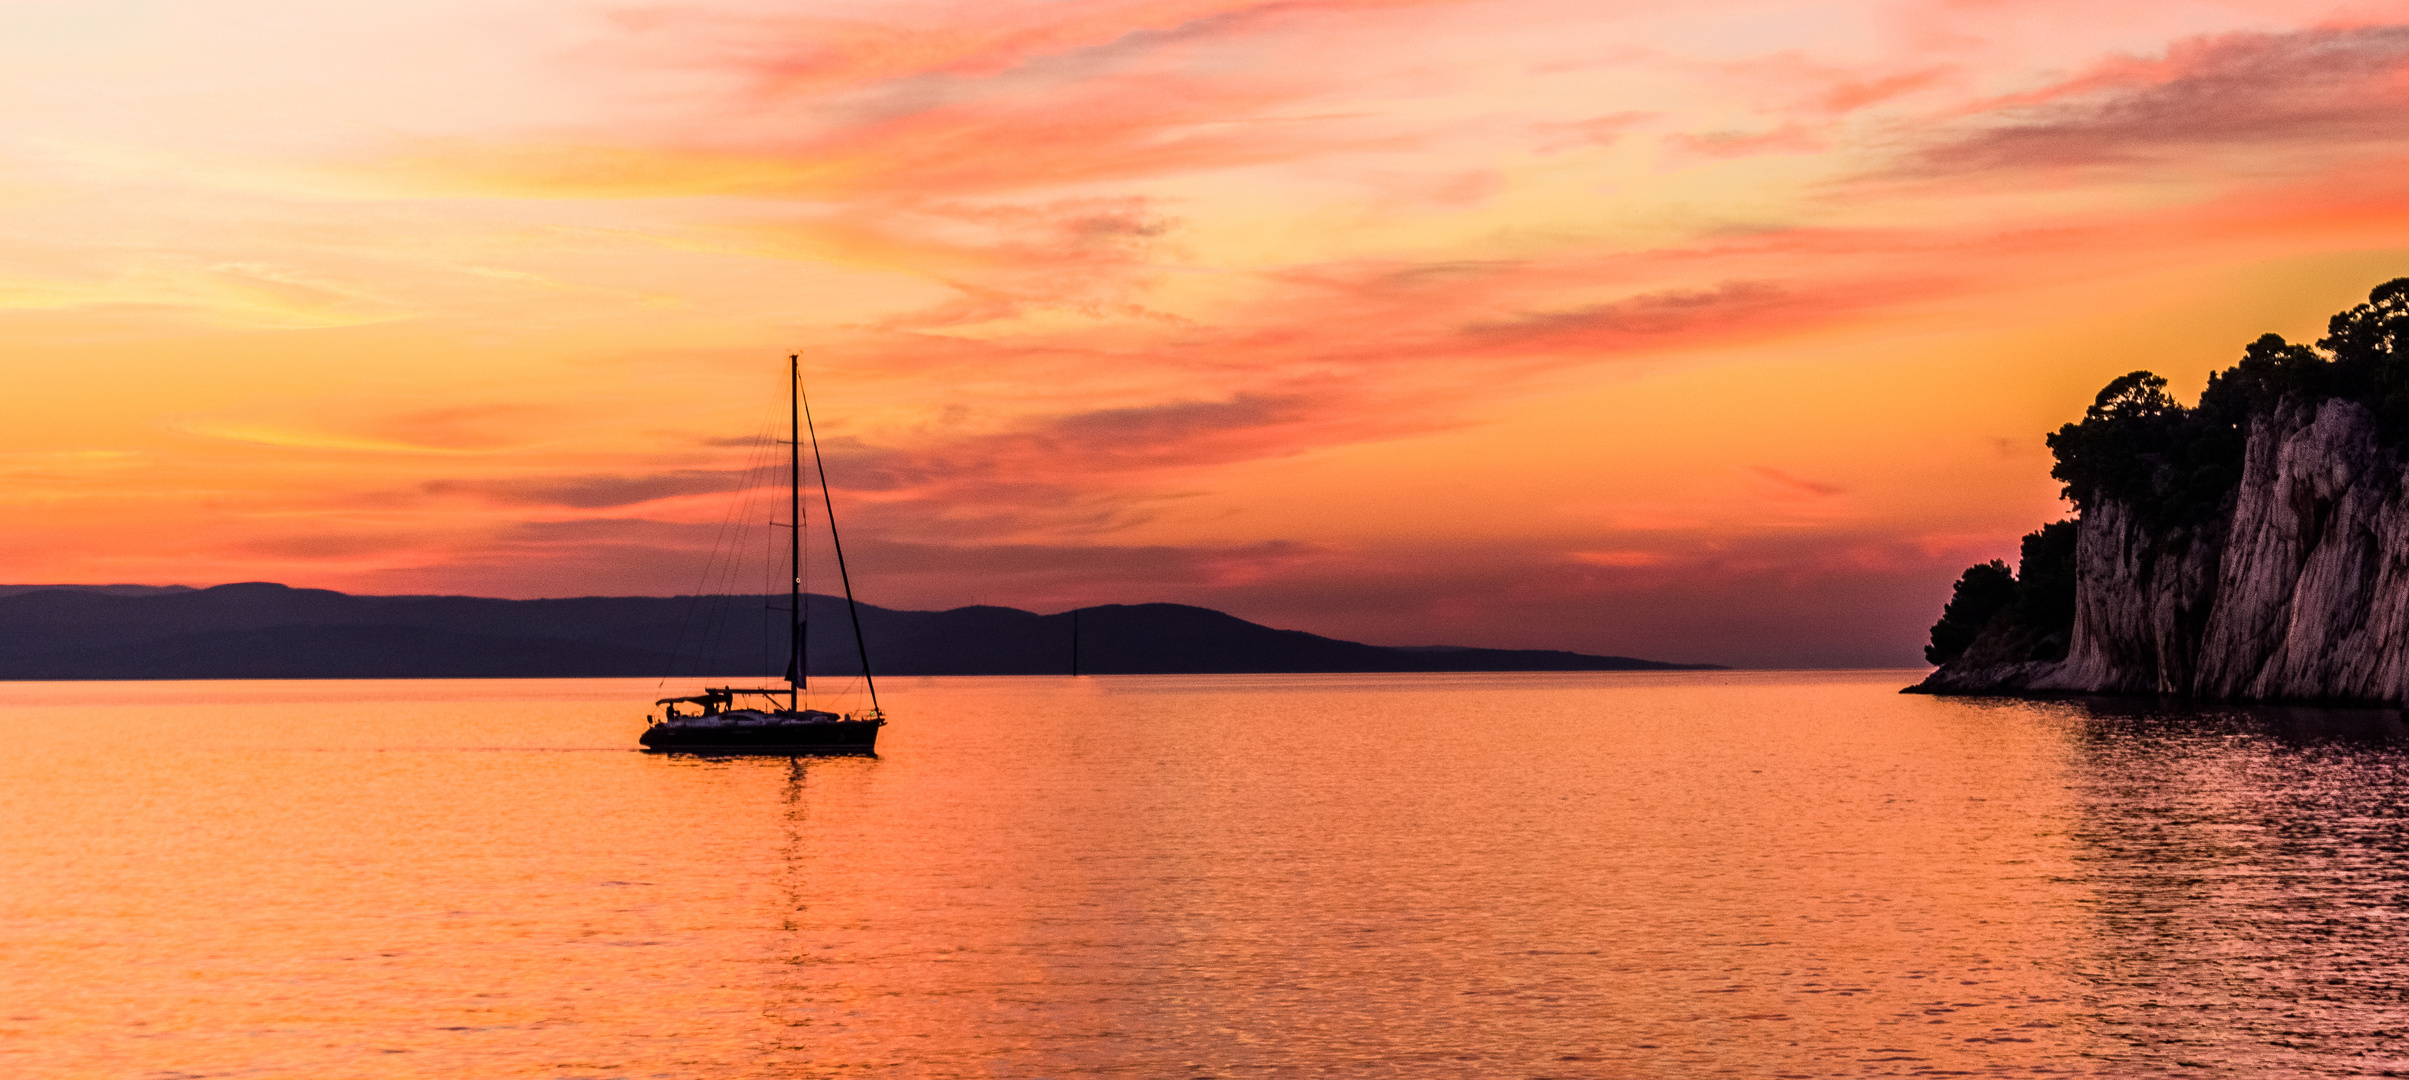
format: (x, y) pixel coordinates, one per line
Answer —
(2286, 582)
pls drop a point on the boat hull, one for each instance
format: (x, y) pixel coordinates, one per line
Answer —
(783, 739)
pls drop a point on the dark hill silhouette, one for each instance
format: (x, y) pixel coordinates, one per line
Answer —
(265, 630)
(113, 590)
(1133, 639)
(356, 652)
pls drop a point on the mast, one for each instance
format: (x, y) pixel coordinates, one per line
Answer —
(794, 534)
(829, 505)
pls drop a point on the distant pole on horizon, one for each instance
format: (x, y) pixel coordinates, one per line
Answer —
(1074, 643)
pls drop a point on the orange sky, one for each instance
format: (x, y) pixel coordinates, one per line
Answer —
(1720, 331)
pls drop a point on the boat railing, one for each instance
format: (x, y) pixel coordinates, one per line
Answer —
(716, 699)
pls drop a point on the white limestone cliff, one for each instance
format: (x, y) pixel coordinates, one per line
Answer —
(2297, 590)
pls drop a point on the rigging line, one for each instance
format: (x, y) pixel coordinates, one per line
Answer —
(719, 543)
(803, 603)
(770, 669)
(724, 607)
(702, 584)
(837, 545)
(725, 603)
(723, 553)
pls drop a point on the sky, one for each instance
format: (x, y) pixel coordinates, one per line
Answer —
(1725, 331)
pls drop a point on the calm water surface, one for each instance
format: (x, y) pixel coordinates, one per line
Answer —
(1654, 875)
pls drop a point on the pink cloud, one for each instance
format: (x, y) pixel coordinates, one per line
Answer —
(588, 491)
(1083, 254)
(1786, 139)
(1603, 130)
(2315, 91)
(785, 55)
(1850, 95)
(953, 101)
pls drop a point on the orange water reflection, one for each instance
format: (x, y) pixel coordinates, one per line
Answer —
(1759, 874)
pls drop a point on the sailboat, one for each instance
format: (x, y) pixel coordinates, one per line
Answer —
(754, 720)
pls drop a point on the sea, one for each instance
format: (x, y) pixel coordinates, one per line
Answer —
(1612, 875)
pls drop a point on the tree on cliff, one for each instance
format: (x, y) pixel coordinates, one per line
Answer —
(2139, 446)
(2028, 615)
(2177, 468)
(2369, 363)
(1980, 593)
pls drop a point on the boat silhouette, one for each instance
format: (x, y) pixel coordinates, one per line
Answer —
(722, 722)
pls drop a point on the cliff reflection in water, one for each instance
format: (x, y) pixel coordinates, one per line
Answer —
(1605, 876)
(2251, 867)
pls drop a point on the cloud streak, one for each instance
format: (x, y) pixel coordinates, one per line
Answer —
(2312, 92)
(589, 492)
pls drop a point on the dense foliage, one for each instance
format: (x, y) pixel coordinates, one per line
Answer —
(1980, 593)
(2174, 465)
(2030, 611)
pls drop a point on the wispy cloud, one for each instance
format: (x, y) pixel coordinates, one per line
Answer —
(2308, 92)
(451, 430)
(1796, 485)
(589, 492)
(1787, 139)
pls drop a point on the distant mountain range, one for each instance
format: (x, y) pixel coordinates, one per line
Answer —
(259, 630)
